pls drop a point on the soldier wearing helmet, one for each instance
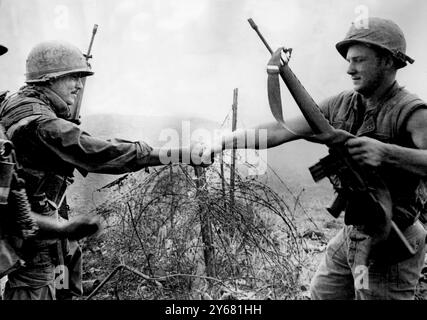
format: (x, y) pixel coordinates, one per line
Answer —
(390, 125)
(49, 149)
(47, 227)
(55, 59)
(384, 35)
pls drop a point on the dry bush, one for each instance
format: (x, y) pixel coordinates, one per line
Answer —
(153, 225)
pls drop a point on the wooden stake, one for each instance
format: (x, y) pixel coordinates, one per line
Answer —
(205, 224)
(233, 152)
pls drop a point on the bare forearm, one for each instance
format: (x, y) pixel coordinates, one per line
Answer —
(261, 137)
(255, 138)
(411, 160)
(266, 136)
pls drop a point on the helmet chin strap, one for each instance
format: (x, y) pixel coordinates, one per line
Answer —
(62, 109)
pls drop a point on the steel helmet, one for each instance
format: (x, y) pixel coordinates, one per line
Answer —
(3, 50)
(380, 33)
(53, 59)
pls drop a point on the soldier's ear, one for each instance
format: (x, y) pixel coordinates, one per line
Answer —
(388, 61)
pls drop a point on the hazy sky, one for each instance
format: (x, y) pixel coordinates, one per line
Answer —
(184, 58)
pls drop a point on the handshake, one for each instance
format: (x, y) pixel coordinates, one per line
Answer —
(198, 154)
(202, 154)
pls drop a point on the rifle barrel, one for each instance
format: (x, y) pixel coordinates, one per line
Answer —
(95, 29)
(255, 27)
(76, 111)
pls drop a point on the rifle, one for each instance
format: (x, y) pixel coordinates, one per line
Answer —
(75, 116)
(348, 178)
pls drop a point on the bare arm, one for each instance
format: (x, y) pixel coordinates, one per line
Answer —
(266, 136)
(412, 160)
(261, 137)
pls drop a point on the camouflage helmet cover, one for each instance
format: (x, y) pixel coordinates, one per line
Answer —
(53, 59)
(380, 33)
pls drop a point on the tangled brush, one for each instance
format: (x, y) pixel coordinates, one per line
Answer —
(191, 238)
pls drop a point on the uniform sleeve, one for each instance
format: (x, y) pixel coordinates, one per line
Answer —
(325, 106)
(72, 145)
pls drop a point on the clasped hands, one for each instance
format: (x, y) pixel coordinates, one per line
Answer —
(202, 153)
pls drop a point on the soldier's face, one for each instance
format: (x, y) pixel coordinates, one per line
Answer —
(67, 88)
(366, 69)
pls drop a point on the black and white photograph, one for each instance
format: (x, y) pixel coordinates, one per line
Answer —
(214, 155)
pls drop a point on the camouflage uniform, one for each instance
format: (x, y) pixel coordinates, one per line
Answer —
(49, 149)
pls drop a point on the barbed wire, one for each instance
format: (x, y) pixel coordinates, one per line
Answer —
(159, 217)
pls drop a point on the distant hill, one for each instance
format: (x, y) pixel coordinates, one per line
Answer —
(289, 161)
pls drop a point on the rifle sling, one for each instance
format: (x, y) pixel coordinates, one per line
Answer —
(274, 96)
(275, 68)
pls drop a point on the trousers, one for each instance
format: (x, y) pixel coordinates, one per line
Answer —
(346, 273)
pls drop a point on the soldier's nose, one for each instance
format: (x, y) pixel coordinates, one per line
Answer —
(79, 84)
(351, 69)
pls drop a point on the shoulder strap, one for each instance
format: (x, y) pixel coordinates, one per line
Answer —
(16, 111)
